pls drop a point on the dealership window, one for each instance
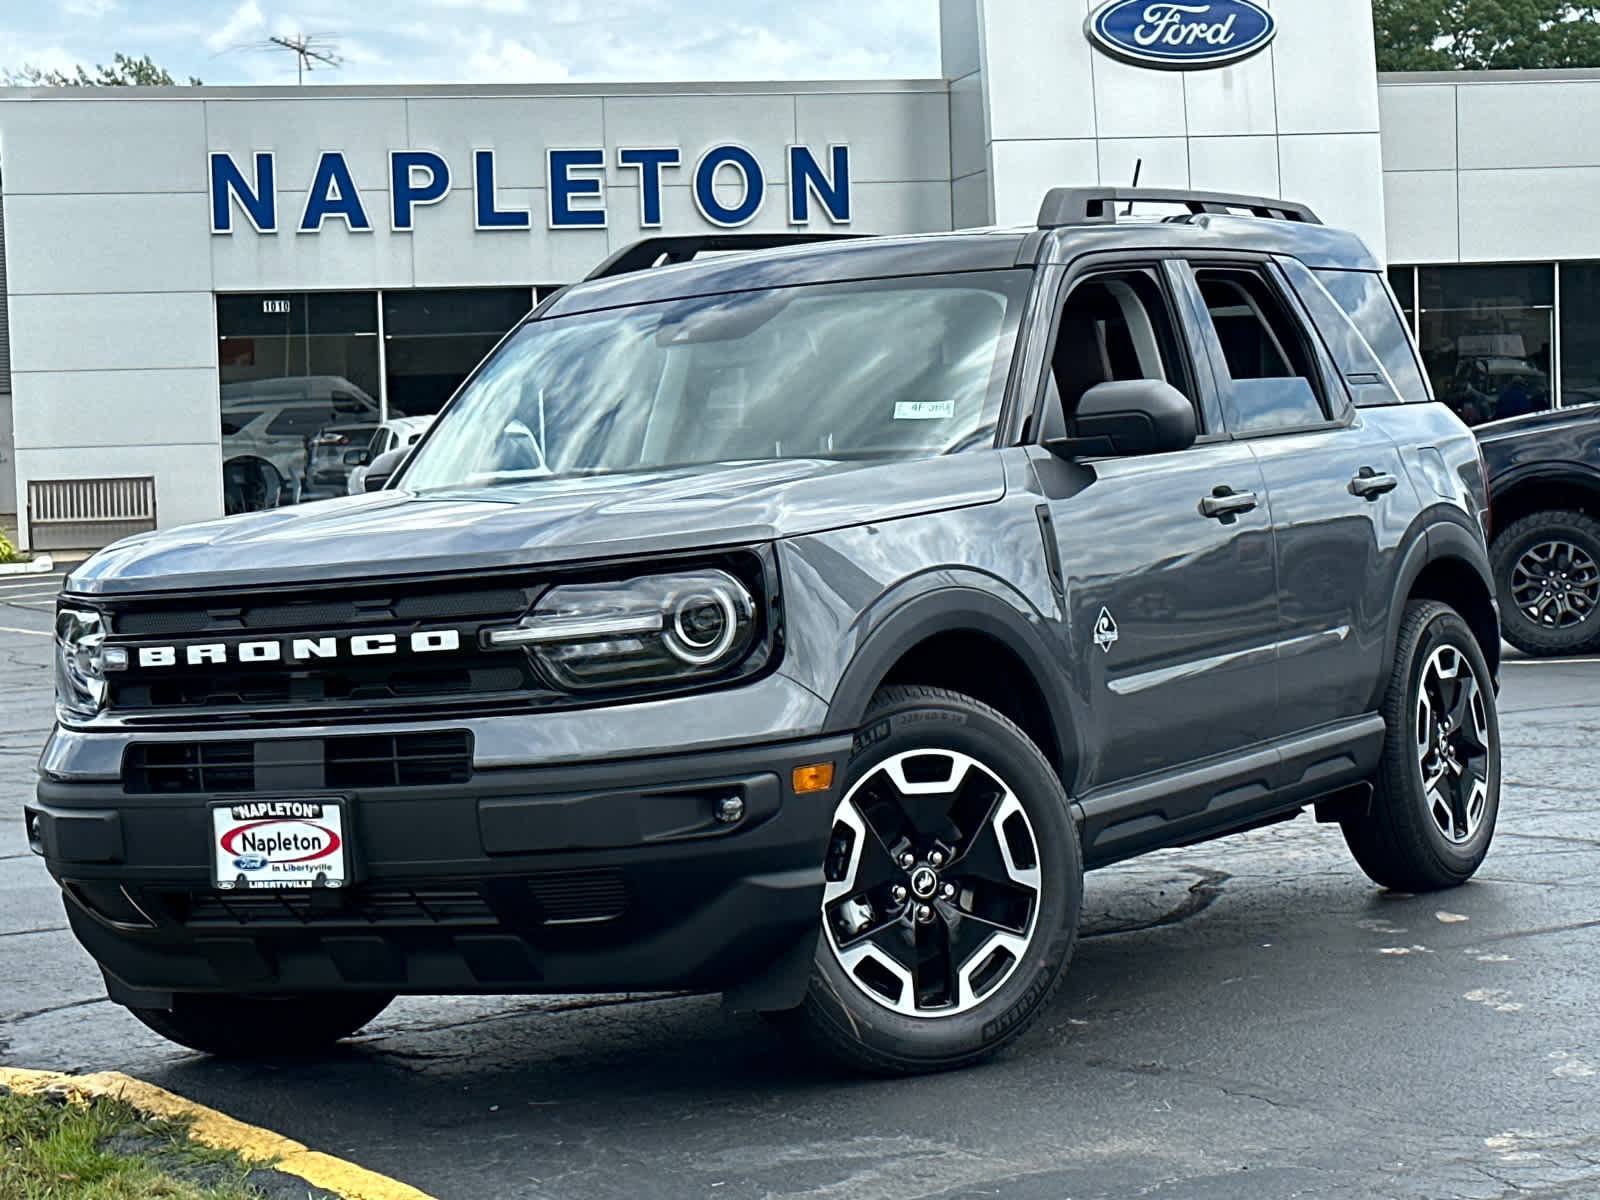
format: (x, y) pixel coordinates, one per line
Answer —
(300, 383)
(1580, 333)
(1486, 335)
(433, 338)
(308, 378)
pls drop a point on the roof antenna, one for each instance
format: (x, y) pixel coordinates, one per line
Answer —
(1138, 165)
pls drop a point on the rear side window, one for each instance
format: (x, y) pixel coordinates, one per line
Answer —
(1370, 307)
(1272, 386)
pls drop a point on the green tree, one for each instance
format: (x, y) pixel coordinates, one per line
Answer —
(1485, 35)
(123, 72)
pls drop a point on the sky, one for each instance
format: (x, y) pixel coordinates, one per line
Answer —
(485, 41)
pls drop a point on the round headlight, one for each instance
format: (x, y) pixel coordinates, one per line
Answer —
(703, 626)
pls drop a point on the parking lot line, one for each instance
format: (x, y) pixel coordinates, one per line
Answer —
(31, 632)
(1547, 662)
(218, 1130)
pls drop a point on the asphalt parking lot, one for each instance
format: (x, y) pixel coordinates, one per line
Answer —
(1250, 1018)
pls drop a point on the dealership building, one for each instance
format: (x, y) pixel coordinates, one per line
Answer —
(213, 296)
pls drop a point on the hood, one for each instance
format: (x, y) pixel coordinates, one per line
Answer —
(542, 521)
(1572, 415)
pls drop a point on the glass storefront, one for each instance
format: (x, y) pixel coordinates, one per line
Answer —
(1580, 333)
(312, 380)
(1485, 335)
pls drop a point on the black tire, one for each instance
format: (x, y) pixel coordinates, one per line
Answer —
(262, 1026)
(1550, 560)
(1402, 842)
(995, 977)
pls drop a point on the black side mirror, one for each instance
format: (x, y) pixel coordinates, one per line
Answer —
(1128, 417)
(383, 467)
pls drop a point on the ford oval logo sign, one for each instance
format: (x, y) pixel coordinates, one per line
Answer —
(1181, 37)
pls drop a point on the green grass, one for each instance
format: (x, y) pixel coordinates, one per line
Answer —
(53, 1150)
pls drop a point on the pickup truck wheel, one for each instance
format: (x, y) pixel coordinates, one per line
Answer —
(1438, 785)
(1547, 574)
(953, 885)
(231, 1026)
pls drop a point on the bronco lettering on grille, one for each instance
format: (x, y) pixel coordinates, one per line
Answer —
(300, 649)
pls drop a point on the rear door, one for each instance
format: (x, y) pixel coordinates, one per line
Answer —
(1166, 558)
(1338, 496)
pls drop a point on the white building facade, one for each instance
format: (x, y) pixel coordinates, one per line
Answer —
(218, 294)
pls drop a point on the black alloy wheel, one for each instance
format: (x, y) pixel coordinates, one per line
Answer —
(953, 884)
(1547, 575)
(1437, 792)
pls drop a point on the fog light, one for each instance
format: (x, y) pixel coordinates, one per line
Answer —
(35, 833)
(730, 809)
(815, 777)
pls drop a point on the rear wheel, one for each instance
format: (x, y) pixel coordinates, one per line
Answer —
(1438, 785)
(954, 882)
(1547, 575)
(232, 1026)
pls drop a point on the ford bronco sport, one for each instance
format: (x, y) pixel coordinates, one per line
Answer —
(799, 625)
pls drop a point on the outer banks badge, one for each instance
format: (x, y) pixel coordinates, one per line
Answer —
(1105, 630)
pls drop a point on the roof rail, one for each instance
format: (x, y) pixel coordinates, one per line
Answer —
(1098, 205)
(666, 251)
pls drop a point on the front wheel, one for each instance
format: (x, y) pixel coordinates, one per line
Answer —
(953, 885)
(231, 1026)
(1438, 786)
(1547, 574)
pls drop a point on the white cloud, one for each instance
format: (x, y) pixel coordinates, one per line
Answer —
(245, 23)
(504, 7)
(506, 60)
(90, 9)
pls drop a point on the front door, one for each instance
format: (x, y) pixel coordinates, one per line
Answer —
(1166, 558)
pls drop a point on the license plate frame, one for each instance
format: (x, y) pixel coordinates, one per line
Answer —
(279, 843)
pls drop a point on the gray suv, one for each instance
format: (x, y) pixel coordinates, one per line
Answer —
(797, 624)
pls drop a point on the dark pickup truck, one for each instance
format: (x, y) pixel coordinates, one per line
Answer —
(1544, 487)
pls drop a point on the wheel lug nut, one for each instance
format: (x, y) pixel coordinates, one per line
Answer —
(936, 858)
(924, 912)
(949, 890)
(899, 894)
(907, 859)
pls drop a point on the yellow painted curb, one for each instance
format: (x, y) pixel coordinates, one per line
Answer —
(222, 1132)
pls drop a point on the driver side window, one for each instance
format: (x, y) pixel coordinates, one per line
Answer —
(1112, 327)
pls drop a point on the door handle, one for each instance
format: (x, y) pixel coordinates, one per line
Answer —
(1370, 484)
(1224, 503)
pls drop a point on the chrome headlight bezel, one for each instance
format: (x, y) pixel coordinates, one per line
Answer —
(81, 661)
(660, 628)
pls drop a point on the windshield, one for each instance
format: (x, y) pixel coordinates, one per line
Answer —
(897, 367)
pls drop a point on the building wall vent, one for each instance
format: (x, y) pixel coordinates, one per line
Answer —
(81, 514)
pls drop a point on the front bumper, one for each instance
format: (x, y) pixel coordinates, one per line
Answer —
(606, 876)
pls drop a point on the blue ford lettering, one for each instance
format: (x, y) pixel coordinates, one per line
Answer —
(1182, 37)
(250, 862)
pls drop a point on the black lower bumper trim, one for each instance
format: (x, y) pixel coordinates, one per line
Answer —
(547, 895)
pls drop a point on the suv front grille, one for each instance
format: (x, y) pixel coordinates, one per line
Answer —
(327, 614)
(345, 763)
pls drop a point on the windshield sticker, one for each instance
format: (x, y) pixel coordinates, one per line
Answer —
(924, 410)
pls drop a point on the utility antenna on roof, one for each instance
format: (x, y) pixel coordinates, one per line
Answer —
(1138, 165)
(309, 49)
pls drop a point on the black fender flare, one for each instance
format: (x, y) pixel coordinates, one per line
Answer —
(975, 604)
(1436, 541)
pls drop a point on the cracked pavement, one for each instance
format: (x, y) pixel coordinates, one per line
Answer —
(1248, 1018)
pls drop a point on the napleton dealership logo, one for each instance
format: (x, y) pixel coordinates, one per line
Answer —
(727, 182)
(1181, 37)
